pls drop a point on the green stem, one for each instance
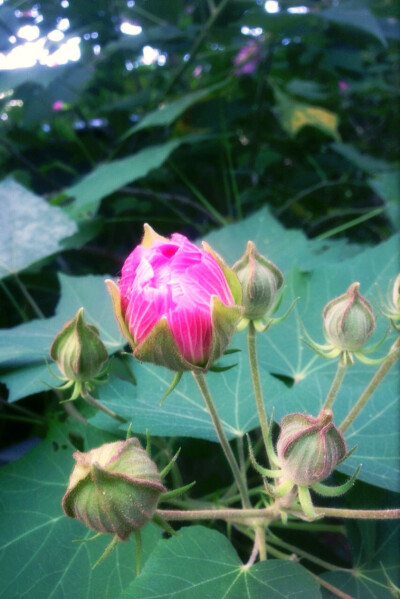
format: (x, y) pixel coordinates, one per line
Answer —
(380, 374)
(201, 382)
(212, 212)
(331, 588)
(255, 376)
(336, 384)
(99, 406)
(269, 513)
(332, 512)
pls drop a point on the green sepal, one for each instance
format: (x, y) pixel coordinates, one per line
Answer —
(109, 549)
(279, 490)
(138, 544)
(116, 300)
(265, 472)
(176, 492)
(327, 491)
(230, 275)
(159, 347)
(224, 321)
(164, 525)
(306, 502)
(217, 368)
(174, 383)
(170, 464)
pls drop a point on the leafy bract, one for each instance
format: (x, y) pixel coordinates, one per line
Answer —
(30, 229)
(202, 564)
(108, 177)
(38, 549)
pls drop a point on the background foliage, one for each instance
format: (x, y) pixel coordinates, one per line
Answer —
(280, 127)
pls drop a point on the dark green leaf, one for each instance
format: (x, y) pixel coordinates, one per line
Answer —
(202, 564)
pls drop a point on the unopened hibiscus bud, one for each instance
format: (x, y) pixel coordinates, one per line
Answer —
(309, 448)
(114, 488)
(348, 320)
(78, 350)
(260, 280)
(178, 305)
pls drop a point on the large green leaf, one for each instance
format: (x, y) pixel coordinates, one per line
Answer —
(357, 18)
(202, 564)
(111, 176)
(30, 229)
(168, 113)
(376, 555)
(38, 554)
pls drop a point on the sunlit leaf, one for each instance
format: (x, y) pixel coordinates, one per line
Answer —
(30, 229)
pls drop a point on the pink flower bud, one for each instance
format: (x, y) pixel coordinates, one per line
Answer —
(176, 302)
(309, 448)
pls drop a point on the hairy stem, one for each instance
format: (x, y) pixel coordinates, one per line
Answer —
(201, 382)
(99, 406)
(336, 384)
(255, 376)
(270, 513)
(380, 374)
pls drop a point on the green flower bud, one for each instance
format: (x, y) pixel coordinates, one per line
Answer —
(309, 448)
(260, 280)
(114, 488)
(349, 320)
(78, 350)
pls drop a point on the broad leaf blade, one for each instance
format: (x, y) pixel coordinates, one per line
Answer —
(109, 177)
(201, 563)
(30, 229)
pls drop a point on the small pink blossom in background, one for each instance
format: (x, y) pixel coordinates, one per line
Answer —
(247, 59)
(343, 86)
(58, 105)
(176, 280)
(197, 71)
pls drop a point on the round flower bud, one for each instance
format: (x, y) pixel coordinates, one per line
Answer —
(309, 448)
(260, 280)
(78, 350)
(177, 304)
(349, 320)
(114, 488)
